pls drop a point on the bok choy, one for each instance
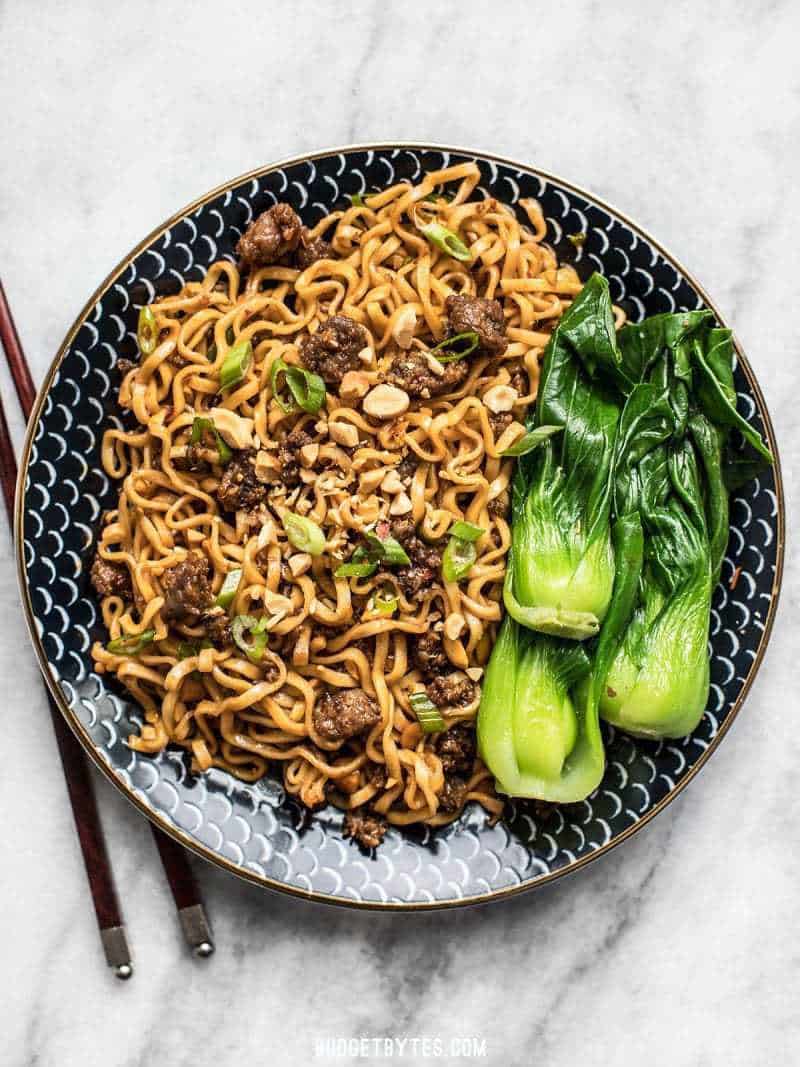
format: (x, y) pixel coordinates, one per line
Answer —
(657, 684)
(669, 469)
(538, 734)
(561, 564)
(619, 530)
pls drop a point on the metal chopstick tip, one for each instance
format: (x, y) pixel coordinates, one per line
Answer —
(196, 930)
(118, 955)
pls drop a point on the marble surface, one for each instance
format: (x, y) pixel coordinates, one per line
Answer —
(679, 947)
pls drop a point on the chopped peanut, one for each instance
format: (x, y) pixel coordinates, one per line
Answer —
(386, 402)
(276, 604)
(266, 535)
(355, 384)
(404, 326)
(454, 625)
(266, 466)
(299, 563)
(309, 454)
(343, 433)
(370, 480)
(392, 483)
(235, 430)
(401, 505)
(500, 398)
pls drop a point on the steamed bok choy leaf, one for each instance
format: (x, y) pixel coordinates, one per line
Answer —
(561, 564)
(657, 684)
(669, 469)
(537, 733)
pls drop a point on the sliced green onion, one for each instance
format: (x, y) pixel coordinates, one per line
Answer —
(458, 559)
(199, 426)
(386, 549)
(307, 388)
(385, 603)
(428, 715)
(456, 347)
(304, 534)
(131, 644)
(228, 590)
(359, 566)
(355, 570)
(466, 531)
(243, 625)
(531, 440)
(577, 239)
(279, 367)
(447, 241)
(147, 331)
(357, 200)
(187, 648)
(235, 365)
(364, 562)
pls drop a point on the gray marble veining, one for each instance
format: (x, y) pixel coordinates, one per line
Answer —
(678, 948)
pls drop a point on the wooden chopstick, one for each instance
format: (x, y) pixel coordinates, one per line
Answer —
(185, 892)
(79, 784)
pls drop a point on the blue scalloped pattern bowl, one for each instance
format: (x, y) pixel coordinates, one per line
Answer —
(255, 830)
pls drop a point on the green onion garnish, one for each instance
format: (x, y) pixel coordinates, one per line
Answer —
(279, 367)
(577, 239)
(131, 644)
(357, 200)
(364, 562)
(385, 549)
(447, 241)
(147, 331)
(456, 347)
(243, 625)
(458, 559)
(428, 715)
(466, 531)
(304, 534)
(359, 566)
(531, 440)
(307, 388)
(187, 648)
(385, 603)
(228, 590)
(201, 425)
(235, 365)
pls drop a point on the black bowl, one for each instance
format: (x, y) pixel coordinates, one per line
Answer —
(255, 830)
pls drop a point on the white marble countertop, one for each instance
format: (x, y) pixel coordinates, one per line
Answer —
(678, 948)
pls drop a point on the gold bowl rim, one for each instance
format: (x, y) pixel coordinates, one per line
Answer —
(179, 835)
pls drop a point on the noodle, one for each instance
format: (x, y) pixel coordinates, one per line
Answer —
(326, 633)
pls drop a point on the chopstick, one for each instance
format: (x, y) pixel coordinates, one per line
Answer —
(185, 893)
(79, 784)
